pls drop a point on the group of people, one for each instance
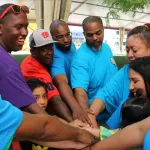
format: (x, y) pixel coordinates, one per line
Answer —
(81, 88)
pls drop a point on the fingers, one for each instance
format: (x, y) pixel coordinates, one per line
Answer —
(88, 121)
(91, 112)
(84, 116)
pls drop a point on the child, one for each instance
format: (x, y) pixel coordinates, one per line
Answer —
(39, 90)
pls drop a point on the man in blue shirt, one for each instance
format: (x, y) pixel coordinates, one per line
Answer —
(60, 68)
(116, 91)
(93, 64)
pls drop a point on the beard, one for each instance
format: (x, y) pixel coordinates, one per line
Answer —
(95, 47)
(62, 47)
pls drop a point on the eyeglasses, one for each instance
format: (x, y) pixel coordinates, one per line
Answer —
(16, 9)
(61, 37)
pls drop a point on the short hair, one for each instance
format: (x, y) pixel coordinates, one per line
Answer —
(55, 24)
(134, 110)
(143, 32)
(142, 66)
(33, 83)
(3, 8)
(91, 19)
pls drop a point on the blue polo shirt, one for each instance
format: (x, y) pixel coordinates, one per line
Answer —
(10, 119)
(62, 61)
(91, 70)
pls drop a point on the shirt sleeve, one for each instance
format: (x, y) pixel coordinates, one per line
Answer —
(58, 66)
(112, 93)
(15, 90)
(47, 79)
(114, 122)
(79, 72)
(11, 118)
(146, 144)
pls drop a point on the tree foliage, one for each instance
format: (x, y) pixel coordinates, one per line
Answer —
(124, 6)
(127, 5)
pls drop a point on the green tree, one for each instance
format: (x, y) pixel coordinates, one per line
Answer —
(124, 6)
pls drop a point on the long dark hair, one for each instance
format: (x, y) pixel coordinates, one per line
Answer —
(34, 83)
(134, 110)
(142, 66)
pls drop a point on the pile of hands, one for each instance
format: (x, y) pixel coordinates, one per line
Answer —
(81, 125)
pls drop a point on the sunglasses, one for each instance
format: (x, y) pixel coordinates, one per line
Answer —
(16, 10)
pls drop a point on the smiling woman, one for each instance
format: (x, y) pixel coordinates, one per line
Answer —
(116, 91)
(140, 76)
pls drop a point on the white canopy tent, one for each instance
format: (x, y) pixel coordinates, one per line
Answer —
(43, 12)
(83, 8)
(77, 10)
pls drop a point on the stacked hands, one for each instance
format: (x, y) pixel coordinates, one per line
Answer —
(89, 139)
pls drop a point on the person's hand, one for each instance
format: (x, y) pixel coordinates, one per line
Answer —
(85, 137)
(78, 124)
(87, 128)
(86, 148)
(82, 114)
(79, 145)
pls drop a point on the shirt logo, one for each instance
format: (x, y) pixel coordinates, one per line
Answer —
(112, 61)
(45, 34)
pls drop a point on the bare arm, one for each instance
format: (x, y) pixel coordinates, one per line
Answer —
(34, 108)
(97, 107)
(47, 128)
(62, 144)
(81, 96)
(66, 93)
(93, 120)
(59, 108)
(130, 137)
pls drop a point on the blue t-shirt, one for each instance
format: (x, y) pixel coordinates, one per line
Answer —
(10, 118)
(146, 144)
(116, 90)
(91, 70)
(62, 61)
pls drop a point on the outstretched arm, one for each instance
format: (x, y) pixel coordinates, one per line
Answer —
(82, 98)
(66, 93)
(62, 144)
(130, 137)
(47, 128)
(97, 107)
(59, 108)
